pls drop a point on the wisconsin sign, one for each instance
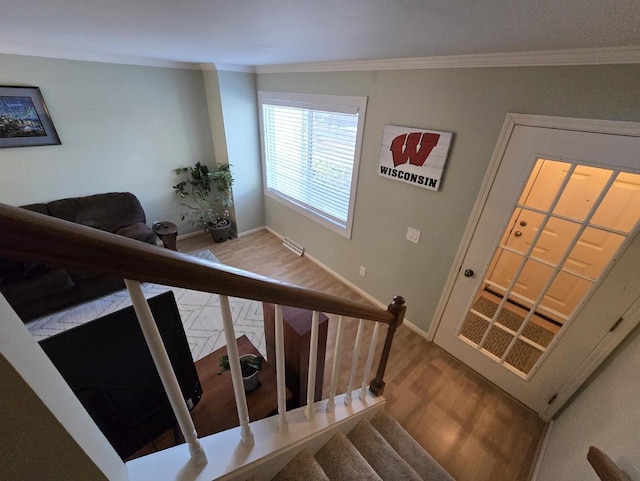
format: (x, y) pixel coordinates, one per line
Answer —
(415, 156)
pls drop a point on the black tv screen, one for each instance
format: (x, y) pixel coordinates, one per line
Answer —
(107, 364)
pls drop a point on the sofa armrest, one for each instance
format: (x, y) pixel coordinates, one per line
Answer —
(138, 231)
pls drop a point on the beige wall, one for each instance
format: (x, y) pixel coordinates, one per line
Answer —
(240, 118)
(123, 128)
(604, 415)
(48, 451)
(472, 103)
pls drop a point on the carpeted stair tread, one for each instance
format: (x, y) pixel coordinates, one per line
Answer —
(341, 461)
(379, 454)
(408, 448)
(302, 467)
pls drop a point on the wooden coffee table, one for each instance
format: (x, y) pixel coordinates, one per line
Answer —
(216, 410)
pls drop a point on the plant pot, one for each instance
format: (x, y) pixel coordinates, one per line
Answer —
(249, 374)
(219, 234)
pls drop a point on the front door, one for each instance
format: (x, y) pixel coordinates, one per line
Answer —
(552, 262)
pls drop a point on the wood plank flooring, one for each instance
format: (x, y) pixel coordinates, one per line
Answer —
(476, 431)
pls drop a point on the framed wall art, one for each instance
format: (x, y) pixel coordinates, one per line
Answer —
(415, 156)
(24, 118)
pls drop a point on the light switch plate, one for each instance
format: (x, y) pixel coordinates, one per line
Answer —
(413, 235)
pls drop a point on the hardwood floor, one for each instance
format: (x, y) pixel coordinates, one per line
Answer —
(476, 431)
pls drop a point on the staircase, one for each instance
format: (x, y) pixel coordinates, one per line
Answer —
(378, 450)
(375, 449)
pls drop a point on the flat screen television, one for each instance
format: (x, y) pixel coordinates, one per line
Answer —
(107, 364)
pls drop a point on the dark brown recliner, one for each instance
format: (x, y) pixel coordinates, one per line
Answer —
(34, 290)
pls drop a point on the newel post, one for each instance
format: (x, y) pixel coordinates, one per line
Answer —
(397, 308)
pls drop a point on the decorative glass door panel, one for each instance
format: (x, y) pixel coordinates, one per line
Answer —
(550, 260)
(569, 222)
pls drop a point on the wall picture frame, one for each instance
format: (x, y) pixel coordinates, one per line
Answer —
(415, 156)
(24, 118)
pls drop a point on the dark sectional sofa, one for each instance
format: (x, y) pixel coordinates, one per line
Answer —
(34, 289)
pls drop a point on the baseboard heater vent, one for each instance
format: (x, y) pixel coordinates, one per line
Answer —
(295, 247)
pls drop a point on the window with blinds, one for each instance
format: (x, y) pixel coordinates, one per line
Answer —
(311, 152)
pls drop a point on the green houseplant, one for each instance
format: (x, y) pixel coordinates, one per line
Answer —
(250, 364)
(195, 189)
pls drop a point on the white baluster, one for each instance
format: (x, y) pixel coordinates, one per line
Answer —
(280, 374)
(313, 361)
(165, 371)
(367, 368)
(331, 404)
(236, 372)
(354, 363)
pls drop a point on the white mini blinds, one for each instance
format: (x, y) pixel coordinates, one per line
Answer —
(311, 151)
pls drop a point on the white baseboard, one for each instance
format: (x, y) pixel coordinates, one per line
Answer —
(200, 232)
(353, 287)
(251, 231)
(189, 235)
(411, 326)
(541, 450)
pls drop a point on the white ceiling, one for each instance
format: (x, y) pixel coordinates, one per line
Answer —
(270, 32)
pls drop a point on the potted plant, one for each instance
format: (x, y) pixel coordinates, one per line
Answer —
(195, 190)
(250, 364)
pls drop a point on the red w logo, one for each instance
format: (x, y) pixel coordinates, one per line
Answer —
(414, 147)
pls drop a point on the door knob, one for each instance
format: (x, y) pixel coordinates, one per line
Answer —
(517, 233)
(468, 273)
(523, 223)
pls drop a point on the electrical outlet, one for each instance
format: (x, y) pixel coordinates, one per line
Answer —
(363, 270)
(413, 235)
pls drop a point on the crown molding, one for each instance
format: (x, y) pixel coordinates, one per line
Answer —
(590, 56)
(223, 67)
(95, 57)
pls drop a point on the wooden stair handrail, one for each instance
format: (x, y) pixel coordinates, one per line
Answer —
(398, 309)
(31, 236)
(604, 466)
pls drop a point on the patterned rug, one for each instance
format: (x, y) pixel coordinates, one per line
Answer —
(200, 312)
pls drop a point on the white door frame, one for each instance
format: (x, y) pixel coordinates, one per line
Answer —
(512, 120)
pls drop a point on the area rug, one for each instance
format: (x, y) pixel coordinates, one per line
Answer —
(523, 356)
(200, 312)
